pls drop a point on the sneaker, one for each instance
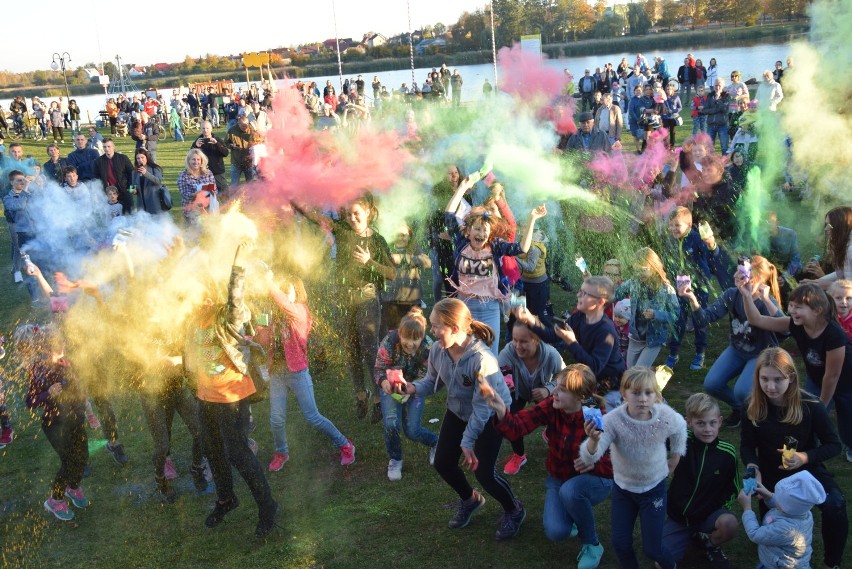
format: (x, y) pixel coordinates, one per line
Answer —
(278, 461)
(347, 453)
(266, 522)
(117, 452)
(590, 556)
(94, 422)
(394, 470)
(697, 362)
(717, 558)
(199, 480)
(7, 435)
(19, 278)
(59, 508)
(466, 511)
(361, 408)
(434, 449)
(169, 470)
(510, 522)
(253, 446)
(376, 415)
(514, 465)
(77, 497)
(218, 514)
(671, 361)
(732, 421)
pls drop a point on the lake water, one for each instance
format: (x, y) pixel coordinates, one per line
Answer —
(750, 61)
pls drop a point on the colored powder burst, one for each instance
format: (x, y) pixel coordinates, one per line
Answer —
(524, 75)
(324, 169)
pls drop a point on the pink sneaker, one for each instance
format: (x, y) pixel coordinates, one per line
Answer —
(277, 462)
(59, 508)
(77, 497)
(514, 465)
(169, 470)
(347, 453)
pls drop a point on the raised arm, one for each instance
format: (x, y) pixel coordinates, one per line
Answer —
(535, 214)
(464, 186)
(777, 324)
(312, 214)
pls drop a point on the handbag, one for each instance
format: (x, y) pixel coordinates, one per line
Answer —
(679, 120)
(165, 198)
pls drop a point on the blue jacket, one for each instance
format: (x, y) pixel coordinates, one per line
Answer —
(664, 303)
(17, 211)
(499, 249)
(84, 161)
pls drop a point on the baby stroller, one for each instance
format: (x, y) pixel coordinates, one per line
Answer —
(121, 129)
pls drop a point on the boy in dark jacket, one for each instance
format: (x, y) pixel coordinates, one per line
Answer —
(704, 486)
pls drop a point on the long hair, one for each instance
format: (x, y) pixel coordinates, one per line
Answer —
(768, 274)
(648, 257)
(454, 312)
(639, 378)
(840, 219)
(758, 404)
(579, 379)
(150, 162)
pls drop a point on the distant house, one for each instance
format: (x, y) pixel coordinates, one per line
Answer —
(331, 44)
(402, 39)
(161, 68)
(309, 50)
(423, 45)
(375, 40)
(137, 71)
(359, 49)
(92, 73)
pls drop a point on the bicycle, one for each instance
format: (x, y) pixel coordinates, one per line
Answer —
(191, 124)
(27, 127)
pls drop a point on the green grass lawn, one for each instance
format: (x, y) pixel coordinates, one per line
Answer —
(331, 516)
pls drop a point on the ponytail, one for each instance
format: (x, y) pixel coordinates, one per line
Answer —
(769, 273)
(482, 331)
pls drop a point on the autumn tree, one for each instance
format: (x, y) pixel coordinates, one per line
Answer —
(609, 26)
(637, 19)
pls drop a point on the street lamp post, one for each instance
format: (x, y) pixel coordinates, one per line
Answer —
(59, 63)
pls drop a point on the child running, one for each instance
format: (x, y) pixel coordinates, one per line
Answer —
(572, 486)
(461, 361)
(55, 388)
(406, 352)
(639, 432)
(289, 345)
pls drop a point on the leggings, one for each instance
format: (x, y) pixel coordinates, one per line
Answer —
(67, 436)
(486, 447)
(361, 315)
(159, 409)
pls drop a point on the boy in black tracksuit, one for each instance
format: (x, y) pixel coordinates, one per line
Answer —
(704, 486)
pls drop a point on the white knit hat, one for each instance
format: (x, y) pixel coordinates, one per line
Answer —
(797, 494)
(622, 309)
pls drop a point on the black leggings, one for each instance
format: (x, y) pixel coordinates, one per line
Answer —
(226, 444)
(518, 404)
(160, 410)
(67, 436)
(486, 447)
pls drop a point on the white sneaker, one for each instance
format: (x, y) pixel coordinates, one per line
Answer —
(19, 278)
(394, 470)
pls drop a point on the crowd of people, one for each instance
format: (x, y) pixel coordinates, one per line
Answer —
(492, 338)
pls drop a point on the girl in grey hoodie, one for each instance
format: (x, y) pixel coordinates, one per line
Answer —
(461, 361)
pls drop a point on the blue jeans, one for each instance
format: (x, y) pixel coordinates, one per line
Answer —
(572, 502)
(676, 337)
(487, 312)
(650, 507)
(722, 132)
(699, 123)
(408, 415)
(178, 134)
(728, 365)
(302, 385)
(237, 171)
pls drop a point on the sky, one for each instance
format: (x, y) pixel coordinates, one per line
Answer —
(143, 38)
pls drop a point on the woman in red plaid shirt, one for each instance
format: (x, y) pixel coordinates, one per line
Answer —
(573, 488)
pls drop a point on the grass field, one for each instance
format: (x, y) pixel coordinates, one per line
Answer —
(331, 517)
